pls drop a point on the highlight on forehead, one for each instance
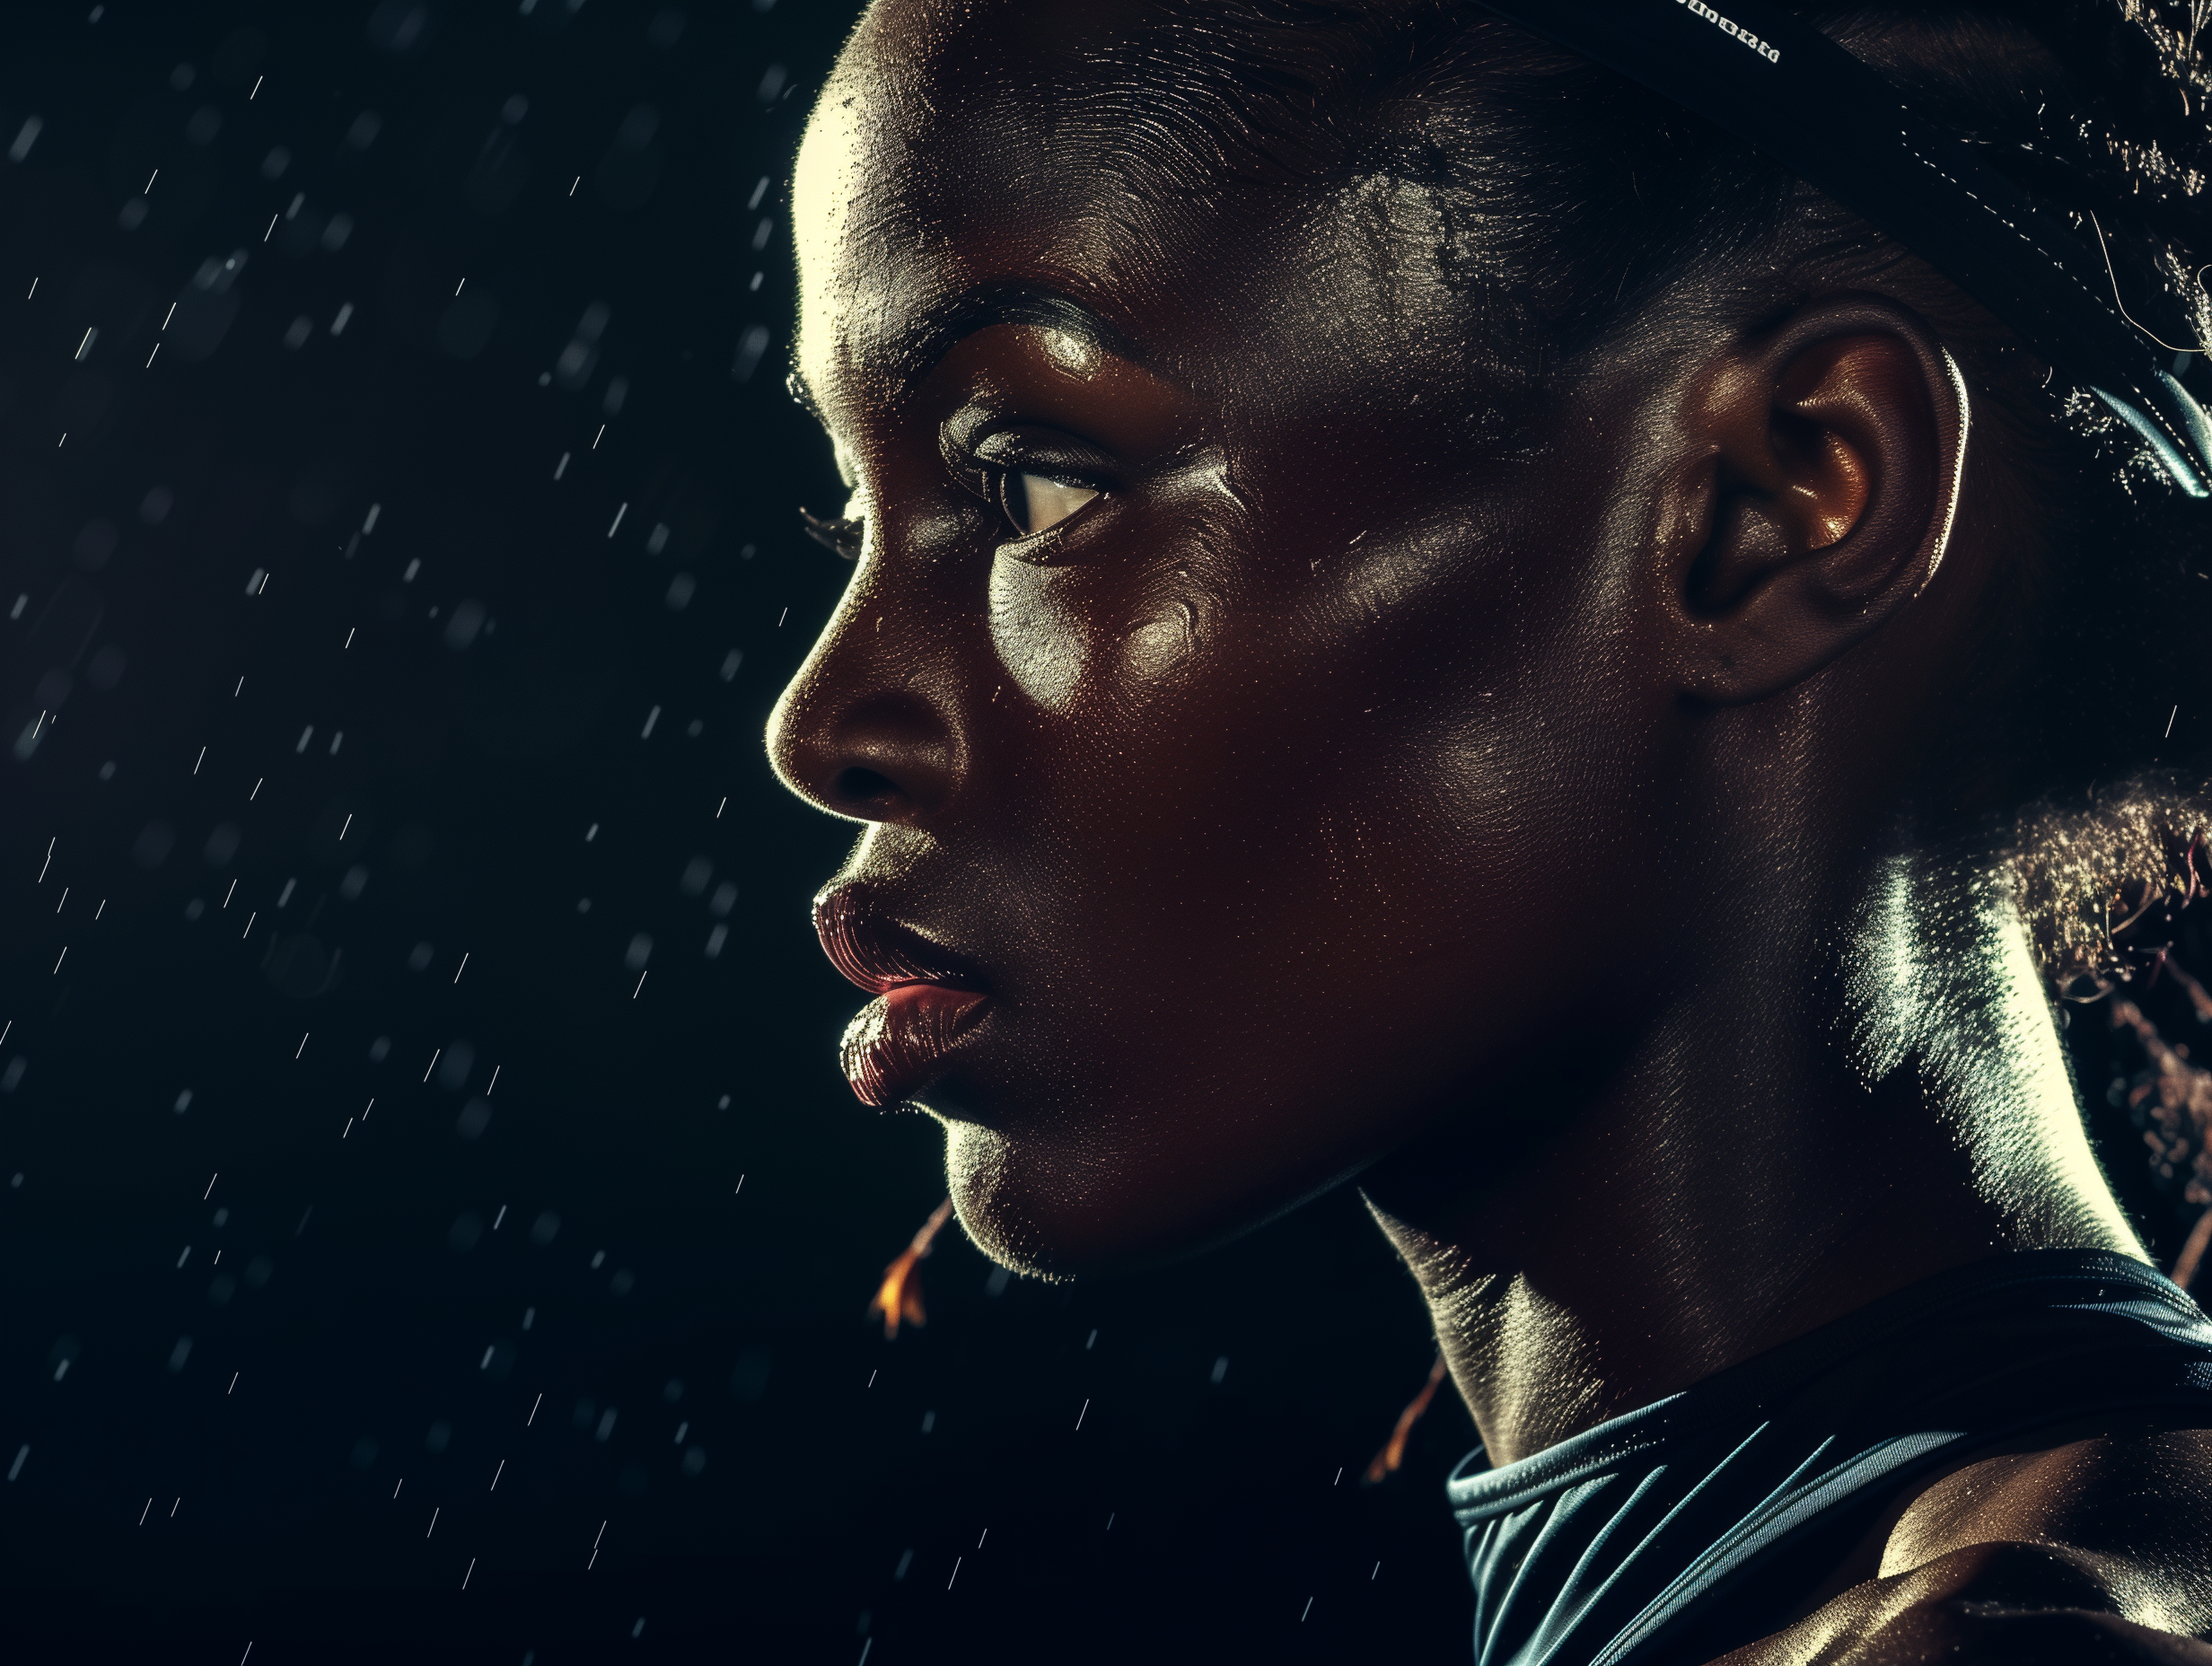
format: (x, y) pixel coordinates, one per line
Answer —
(1189, 92)
(1106, 129)
(1141, 115)
(1275, 91)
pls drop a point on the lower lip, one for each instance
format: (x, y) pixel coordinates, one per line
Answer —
(897, 1041)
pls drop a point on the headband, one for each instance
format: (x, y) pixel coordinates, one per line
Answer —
(1789, 91)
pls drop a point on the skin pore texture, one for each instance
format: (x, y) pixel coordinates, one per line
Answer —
(1364, 776)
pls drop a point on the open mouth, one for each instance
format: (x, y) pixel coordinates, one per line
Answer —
(926, 998)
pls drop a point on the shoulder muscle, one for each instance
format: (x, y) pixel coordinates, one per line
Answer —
(2096, 1550)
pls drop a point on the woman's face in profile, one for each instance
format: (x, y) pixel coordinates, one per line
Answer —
(1248, 716)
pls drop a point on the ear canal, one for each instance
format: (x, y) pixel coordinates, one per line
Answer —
(1746, 544)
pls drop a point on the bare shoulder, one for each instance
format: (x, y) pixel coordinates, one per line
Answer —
(2085, 1552)
(2142, 1497)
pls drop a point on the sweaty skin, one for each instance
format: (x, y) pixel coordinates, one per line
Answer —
(1362, 775)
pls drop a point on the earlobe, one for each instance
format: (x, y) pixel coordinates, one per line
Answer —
(1832, 449)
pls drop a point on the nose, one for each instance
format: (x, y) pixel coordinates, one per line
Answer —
(861, 738)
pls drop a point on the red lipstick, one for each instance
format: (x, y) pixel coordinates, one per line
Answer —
(926, 998)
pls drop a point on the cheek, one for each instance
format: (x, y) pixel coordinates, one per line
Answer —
(1320, 829)
(1161, 644)
(1065, 633)
(1137, 605)
(1039, 631)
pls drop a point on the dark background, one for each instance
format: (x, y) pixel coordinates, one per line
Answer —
(542, 225)
(404, 1260)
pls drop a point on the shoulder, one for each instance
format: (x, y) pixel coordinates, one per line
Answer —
(2078, 1553)
(2143, 1493)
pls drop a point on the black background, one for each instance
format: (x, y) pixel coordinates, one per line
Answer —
(369, 1300)
(443, 1387)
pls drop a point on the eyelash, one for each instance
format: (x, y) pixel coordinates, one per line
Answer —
(841, 535)
(993, 478)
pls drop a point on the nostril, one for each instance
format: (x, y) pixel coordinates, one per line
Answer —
(873, 754)
(859, 785)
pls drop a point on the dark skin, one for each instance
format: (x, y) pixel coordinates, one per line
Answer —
(1298, 764)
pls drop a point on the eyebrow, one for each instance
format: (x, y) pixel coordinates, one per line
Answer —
(946, 323)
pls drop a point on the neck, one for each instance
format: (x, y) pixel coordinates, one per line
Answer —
(1749, 1173)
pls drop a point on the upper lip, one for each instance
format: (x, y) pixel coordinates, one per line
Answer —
(881, 954)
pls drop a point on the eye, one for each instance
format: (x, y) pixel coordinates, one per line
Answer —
(1035, 476)
(1034, 502)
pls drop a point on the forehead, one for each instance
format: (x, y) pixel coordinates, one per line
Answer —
(962, 153)
(971, 151)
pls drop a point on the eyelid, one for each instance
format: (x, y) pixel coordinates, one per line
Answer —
(990, 466)
(1050, 452)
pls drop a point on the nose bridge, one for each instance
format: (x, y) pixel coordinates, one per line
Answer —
(870, 727)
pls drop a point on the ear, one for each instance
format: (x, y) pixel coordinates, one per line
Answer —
(1825, 460)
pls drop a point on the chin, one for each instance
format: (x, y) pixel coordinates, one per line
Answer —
(1054, 1206)
(1002, 1209)
(1030, 1205)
